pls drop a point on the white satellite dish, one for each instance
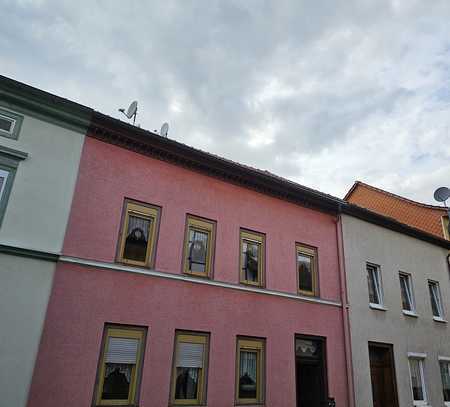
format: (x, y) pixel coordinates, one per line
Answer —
(131, 111)
(164, 130)
(442, 194)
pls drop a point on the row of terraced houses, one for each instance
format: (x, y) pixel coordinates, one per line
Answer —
(138, 271)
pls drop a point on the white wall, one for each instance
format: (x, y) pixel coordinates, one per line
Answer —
(394, 252)
(41, 196)
(25, 286)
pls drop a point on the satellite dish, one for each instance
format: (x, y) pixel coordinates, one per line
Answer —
(131, 111)
(442, 194)
(164, 130)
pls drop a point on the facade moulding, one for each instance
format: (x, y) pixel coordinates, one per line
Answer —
(25, 252)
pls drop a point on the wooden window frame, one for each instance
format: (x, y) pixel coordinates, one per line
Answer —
(257, 345)
(253, 237)
(312, 252)
(378, 285)
(190, 337)
(144, 210)
(121, 331)
(203, 225)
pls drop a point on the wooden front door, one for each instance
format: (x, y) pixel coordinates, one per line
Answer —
(382, 372)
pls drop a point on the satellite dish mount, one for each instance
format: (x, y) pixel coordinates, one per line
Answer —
(131, 111)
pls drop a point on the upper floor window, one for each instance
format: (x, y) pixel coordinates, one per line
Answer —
(140, 223)
(436, 300)
(10, 124)
(444, 363)
(190, 367)
(406, 290)
(307, 270)
(250, 370)
(252, 245)
(199, 246)
(374, 284)
(445, 227)
(120, 366)
(417, 380)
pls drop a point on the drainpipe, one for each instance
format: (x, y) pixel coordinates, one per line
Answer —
(345, 311)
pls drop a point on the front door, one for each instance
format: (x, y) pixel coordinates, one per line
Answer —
(310, 369)
(382, 372)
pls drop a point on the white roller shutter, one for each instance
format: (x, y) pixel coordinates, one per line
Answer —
(122, 350)
(190, 355)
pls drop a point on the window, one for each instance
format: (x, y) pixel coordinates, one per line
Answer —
(9, 162)
(417, 380)
(120, 366)
(252, 258)
(407, 293)
(435, 298)
(10, 124)
(199, 246)
(140, 224)
(307, 270)
(250, 370)
(445, 227)
(374, 283)
(444, 364)
(190, 368)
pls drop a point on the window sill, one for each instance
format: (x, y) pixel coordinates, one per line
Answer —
(410, 313)
(378, 307)
(439, 319)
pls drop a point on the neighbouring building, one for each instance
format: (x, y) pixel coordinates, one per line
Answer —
(399, 297)
(188, 279)
(41, 138)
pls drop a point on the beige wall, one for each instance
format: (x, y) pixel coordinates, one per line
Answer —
(395, 252)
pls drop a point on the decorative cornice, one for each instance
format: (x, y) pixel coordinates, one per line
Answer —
(24, 252)
(13, 154)
(182, 277)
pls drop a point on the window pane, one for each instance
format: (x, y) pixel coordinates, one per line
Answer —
(406, 293)
(373, 283)
(416, 379)
(434, 297)
(251, 253)
(3, 177)
(445, 374)
(137, 238)
(248, 374)
(186, 386)
(6, 124)
(305, 272)
(117, 381)
(198, 249)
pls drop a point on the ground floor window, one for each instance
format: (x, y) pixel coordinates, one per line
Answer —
(444, 363)
(416, 370)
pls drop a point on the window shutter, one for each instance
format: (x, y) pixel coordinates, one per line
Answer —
(190, 355)
(122, 350)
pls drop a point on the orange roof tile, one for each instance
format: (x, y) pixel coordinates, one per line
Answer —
(421, 216)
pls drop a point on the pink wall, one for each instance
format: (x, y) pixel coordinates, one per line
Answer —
(83, 298)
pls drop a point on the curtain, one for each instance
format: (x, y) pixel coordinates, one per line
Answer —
(445, 374)
(122, 368)
(141, 224)
(248, 365)
(416, 379)
(198, 243)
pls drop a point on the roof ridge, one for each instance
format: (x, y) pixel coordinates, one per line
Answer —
(402, 198)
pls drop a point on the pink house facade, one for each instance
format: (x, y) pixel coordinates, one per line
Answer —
(255, 316)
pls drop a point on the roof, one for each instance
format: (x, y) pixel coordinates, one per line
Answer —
(415, 214)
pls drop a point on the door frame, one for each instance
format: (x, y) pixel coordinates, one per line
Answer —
(323, 344)
(390, 348)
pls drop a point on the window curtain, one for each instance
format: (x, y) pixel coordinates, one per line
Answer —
(142, 224)
(445, 374)
(248, 365)
(416, 379)
(198, 243)
(122, 368)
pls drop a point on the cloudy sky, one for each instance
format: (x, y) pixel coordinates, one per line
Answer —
(320, 92)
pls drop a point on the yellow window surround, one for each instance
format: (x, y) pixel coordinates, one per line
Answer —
(310, 252)
(258, 238)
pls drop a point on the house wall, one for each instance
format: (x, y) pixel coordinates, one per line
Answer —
(85, 298)
(394, 252)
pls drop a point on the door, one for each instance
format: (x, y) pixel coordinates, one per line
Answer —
(310, 369)
(382, 373)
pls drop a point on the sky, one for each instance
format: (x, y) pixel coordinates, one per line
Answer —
(320, 92)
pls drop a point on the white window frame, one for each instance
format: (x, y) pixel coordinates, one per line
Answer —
(444, 359)
(420, 357)
(438, 298)
(10, 132)
(3, 174)
(410, 293)
(378, 286)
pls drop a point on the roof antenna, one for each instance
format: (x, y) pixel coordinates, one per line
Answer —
(131, 111)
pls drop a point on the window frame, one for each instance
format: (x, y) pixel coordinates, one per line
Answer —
(445, 223)
(378, 286)
(309, 251)
(17, 120)
(439, 305)
(420, 358)
(198, 223)
(144, 210)
(444, 360)
(257, 345)
(410, 287)
(121, 331)
(253, 237)
(190, 337)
